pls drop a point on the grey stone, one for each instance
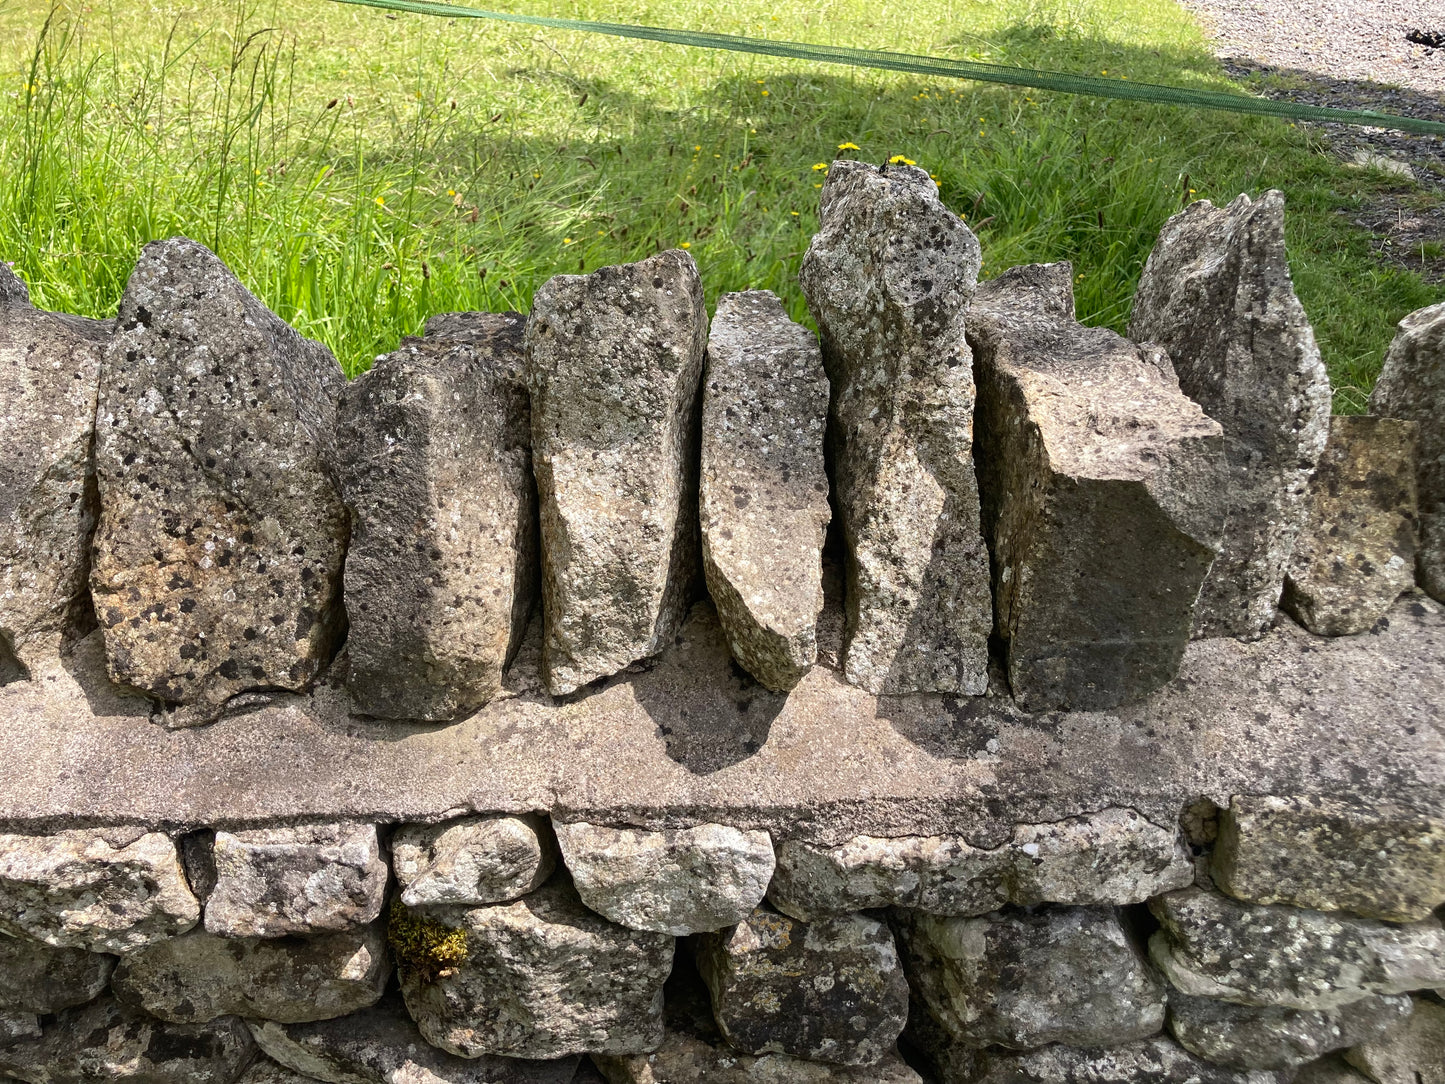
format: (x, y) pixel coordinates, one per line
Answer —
(39, 978)
(681, 881)
(15, 1026)
(1115, 856)
(1356, 553)
(763, 498)
(1412, 386)
(1020, 980)
(1331, 1070)
(1375, 859)
(1413, 1052)
(542, 977)
(441, 570)
(888, 279)
(265, 1071)
(113, 890)
(471, 860)
(1216, 294)
(272, 882)
(49, 375)
(830, 990)
(614, 362)
(218, 553)
(1213, 946)
(1147, 1061)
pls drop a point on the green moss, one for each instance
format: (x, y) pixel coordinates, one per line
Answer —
(423, 947)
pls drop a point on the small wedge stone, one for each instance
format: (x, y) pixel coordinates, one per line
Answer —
(471, 860)
(39, 978)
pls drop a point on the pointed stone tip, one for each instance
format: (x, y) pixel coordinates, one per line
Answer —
(13, 290)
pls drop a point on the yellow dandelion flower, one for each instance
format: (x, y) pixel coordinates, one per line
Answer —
(761, 82)
(848, 147)
(566, 240)
(817, 186)
(451, 191)
(685, 244)
(697, 146)
(380, 202)
(765, 93)
(793, 213)
(899, 160)
(821, 165)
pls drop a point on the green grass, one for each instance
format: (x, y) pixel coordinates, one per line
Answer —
(360, 171)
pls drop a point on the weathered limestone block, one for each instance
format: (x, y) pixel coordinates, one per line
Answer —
(199, 976)
(1021, 980)
(1413, 1052)
(1148, 1061)
(1356, 553)
(1244, 1037)
(1216, 294)
(49, 375)
(764, 493)
(271, 882)
(1412, 386)
(39, 978)
(1102, 495)
(680, 881)
(105, 890)
(1213, 946)
(614, 362)
(888, 279)
(543, 977)
(219, 548)
(1114, 856)
(471, 860)
(1373, 859)
(441, 571)
(829, 991)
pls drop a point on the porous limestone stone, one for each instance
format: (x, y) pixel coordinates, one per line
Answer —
(272, 882)
(888, 279)
(218, 552)
(1213, 946)
(1412, 1052)
(441, 569)
(1114, 856)
(1147, 1061)
(679, 881)
(39, 978)
(105, 890)
(471, 860)
(1102, 490)
(1024, 979)
(199, 976)
(1356, 552)
(763, 497)
(1216, 294)
(542, 977)
(613, 362)
(830, 990)
(49, 376)
(1370, 858)
(1246, 1037)
(1412, 386)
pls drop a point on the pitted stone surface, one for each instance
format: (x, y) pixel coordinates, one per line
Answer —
(1148, 1061)
(1412, 1052)
(1373, 859)
(887, 279)
(763, 498)
(1216, 294)
(1102, 495)
(265, 1071)
(49, 375)
(614, 362)
(1412, 386)
(105, 890)
(219, 548)
(271, 882)
(39, 978)
(682, 881)
(441, 569)
(1213, 946)
(471, 860)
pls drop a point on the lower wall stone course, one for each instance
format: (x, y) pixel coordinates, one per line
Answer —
(1412, 1052)
(38, 978)
(265, 1071)
(1148, 1061)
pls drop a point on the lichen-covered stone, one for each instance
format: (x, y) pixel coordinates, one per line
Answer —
(471, 860)
(49, 375)
(105, 890)
(614, 362)
(1148, 1061)
(679, 881)
(265, 1071)
(219, 547)
(1356, 552)
(1102, 495)
(1213, 946)
(1216, 294)
(1331, 1070)
(1114, 856)
(1021, 980)
(15, 1026)
(830, 990)
(1373, 859)
(888, 278)
(542, 977)
(441, 570)
(271, 882)
(1412, 1052)
(39, 978)
(764, 494)
(1412, 386)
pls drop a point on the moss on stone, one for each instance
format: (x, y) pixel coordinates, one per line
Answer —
(422, 946)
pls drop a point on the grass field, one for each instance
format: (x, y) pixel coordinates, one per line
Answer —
(360, 171)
